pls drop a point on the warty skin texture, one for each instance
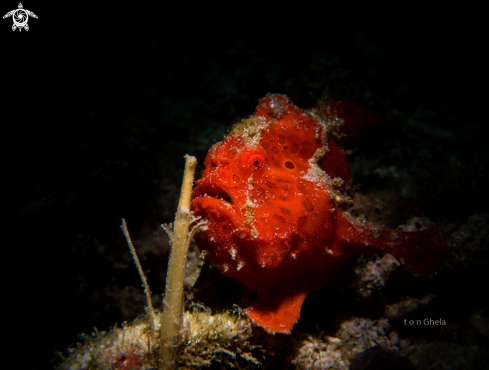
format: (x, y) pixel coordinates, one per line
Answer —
(275, 192)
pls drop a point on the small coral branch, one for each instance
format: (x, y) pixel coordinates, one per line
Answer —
(149, 310)
(133, 346)
(171, 318)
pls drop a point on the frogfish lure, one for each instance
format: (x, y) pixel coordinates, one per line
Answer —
(275, 193)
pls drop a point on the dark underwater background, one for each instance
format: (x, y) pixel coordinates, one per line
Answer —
(100, 104)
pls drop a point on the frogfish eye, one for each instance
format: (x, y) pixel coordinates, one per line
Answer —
(255, 161)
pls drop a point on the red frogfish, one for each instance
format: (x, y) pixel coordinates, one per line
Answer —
(275, 194)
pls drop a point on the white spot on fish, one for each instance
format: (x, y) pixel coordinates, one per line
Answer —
(240, 265)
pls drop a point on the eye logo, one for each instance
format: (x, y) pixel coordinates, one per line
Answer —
(20, 17)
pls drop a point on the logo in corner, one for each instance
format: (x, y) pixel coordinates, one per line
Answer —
(20, 17)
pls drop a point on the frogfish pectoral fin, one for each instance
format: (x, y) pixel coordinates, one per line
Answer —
(276, 313)
(418, 251)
